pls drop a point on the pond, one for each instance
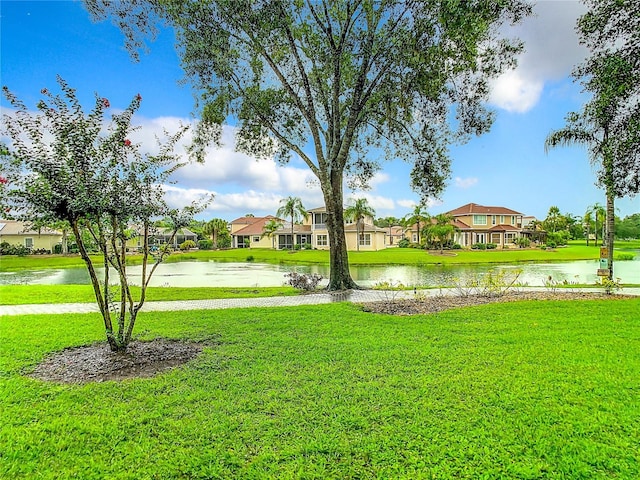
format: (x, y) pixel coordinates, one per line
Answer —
(222, 274)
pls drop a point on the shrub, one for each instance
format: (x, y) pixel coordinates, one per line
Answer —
(491, 246)
(205, 244)
(187, 245)
(7, 249)
(302, 281)
(404, 243)
(523, 242)
(479, 246)
(307, 246)
(250, 258)
(456, 246)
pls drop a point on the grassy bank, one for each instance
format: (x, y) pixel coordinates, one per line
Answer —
(391, 256)
(531, 390)
(25, 294)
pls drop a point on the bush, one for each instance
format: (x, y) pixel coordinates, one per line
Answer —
(491, 246)
(57, 249)
(205, 244)
(303, 281)
(307, 246)
(456, 246)
(187, 245)
(479, 246)
(523, 242)
(7, 249)
(250, 258)
(404, 243)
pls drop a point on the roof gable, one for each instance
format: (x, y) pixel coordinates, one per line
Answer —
(475, 209)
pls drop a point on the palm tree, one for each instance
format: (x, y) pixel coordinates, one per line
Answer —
(551, 223)
(599, 212)
(291, 207)
(418, 217)
(214, 228)
(441, 230)
(269, 229)
(357, 212)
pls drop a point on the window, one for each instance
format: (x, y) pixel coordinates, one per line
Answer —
(256, 239)
(479, 219)
(365, 239)
(513, 219)
(502, 219)
(322, 241)
(414, 237)
(28, 242)
(493, 219)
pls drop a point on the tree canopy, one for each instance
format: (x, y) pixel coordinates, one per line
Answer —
(64, 165)
(342, 84)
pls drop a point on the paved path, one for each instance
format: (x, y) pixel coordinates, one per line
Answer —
(355, 296)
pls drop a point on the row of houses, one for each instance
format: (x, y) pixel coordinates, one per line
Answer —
(473, 224)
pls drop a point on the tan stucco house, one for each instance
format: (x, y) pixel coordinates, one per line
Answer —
(246, 232)
(481, 224)
(20, 233)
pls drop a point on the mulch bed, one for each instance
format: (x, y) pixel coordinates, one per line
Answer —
(97, 363)
(446, 302)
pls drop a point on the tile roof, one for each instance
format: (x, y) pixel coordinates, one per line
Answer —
(504, 228)
(13, 227)
(474, 208)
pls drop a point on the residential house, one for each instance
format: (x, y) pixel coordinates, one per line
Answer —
(393, 235)
(313, 231)
(480, 224)
(160, 236)
(21, 233)
(246, 232)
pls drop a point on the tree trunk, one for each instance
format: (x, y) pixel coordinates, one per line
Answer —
(104, 308)
(610, 235)
(339, 276)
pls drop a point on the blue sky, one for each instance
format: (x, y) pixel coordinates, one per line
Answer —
(507, 167)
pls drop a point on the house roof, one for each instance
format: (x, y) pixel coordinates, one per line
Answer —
(255, 227)
(353, 227)
(297, 228)
(13, 227)
(474, 208)
(504, 228)
(250, 220)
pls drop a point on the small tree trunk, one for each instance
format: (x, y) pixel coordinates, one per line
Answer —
(102, 306)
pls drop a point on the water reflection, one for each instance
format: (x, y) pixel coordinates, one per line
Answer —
(218, 274)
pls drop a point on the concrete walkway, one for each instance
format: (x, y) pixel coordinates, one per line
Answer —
(354, 296)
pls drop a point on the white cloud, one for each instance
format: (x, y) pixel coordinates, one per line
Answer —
(411, 204)
(515, 93)
(551, 52)
(465, 182)
(378, 202)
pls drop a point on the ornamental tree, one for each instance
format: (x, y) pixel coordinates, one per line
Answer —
(342, 84)
(70, 166)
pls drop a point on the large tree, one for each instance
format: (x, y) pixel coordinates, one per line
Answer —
(609, 123)
(358, 211)
(337, 82)
(70, 166)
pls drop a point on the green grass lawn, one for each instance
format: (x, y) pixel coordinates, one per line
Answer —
(26, 294)
(390, 256)
(544, 390)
